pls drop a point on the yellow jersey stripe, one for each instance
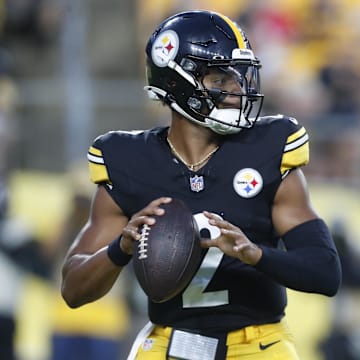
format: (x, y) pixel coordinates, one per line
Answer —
(95, 159)
(95, 151)
(296, 135)
(295, 158)
(236, 31)
(297, 143)
(98, 173)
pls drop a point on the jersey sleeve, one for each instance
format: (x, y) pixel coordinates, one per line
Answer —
(296, 149)
(97, 167)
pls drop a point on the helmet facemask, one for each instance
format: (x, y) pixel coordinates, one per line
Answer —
(229, 97)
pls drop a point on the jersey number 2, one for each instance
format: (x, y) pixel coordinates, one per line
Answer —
(195, 295)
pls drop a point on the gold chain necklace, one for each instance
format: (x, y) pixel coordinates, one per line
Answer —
(191, 166)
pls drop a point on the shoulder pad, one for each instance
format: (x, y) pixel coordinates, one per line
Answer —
(97, 167)
(296, 149)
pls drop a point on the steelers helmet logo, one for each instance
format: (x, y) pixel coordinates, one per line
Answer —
(248, 182)
(165, 48)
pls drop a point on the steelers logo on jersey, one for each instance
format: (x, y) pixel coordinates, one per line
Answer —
(165, 48)
(247, 182)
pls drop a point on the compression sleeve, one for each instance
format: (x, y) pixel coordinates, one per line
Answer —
(310, 262)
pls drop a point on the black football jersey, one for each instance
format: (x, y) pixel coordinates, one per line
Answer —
(238, 183)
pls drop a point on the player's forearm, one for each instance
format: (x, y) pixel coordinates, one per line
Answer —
(310, 264)
(87, 278)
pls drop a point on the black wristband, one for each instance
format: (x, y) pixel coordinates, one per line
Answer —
(116, 255)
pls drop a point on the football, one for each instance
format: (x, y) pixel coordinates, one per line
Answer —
(168, 253)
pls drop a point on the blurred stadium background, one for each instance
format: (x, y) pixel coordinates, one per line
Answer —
(73, 69)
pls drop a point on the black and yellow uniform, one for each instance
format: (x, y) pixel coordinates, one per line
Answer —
(238, 183)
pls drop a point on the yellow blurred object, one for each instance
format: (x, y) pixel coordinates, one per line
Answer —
(108, 317)
(33, 327)
(8, 94)
(335, 201)
(309, 321)
(40, 199)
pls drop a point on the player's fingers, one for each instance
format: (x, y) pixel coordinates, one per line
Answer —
(233, 233)
(141, 220)
(155, 204)
(131, 232)
(206, 243)
(154, 208)
(144, 216)
(135, 223)
(219, 222)
(240, 247)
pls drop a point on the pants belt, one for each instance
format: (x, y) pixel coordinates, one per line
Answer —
(241, 336)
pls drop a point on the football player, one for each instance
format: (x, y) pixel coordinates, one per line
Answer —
(240, 174)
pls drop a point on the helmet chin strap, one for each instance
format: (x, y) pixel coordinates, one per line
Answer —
(220, 128)
(179, 110)
(230, 121)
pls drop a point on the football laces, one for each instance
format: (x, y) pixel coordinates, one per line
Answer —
(143, 242)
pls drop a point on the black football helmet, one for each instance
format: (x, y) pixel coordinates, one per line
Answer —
(183, 49)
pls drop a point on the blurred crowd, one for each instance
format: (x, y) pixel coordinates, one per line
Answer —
(311, 71)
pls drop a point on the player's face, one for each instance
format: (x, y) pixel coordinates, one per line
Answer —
(228, 82)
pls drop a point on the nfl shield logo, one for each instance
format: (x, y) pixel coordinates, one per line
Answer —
(148, 344)
(196, 183)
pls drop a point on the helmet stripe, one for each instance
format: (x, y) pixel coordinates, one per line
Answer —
(236, 31)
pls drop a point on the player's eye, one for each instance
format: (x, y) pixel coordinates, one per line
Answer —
(218, 81)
